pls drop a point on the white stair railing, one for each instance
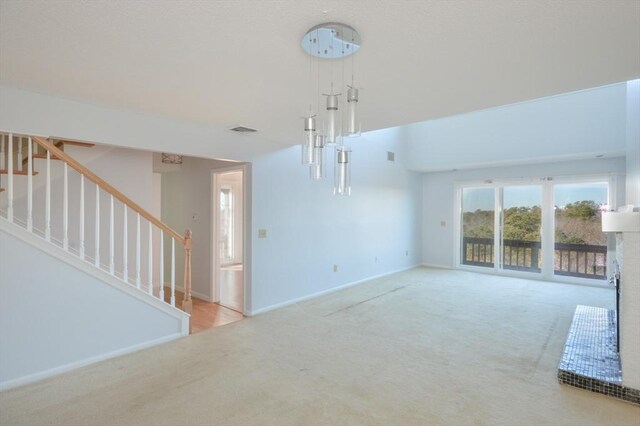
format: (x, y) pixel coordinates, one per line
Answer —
(12, 147)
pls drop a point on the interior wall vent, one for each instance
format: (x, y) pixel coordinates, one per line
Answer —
(391, 156)
(242, 129)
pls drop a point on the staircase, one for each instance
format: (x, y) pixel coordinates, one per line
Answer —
(26, 164)
(118, 252)
(67, 235)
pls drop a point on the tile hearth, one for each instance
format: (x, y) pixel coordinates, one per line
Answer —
(590, 360)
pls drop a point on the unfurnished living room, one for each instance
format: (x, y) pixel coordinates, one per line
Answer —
(319, 212)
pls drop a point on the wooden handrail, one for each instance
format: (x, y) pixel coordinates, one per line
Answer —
(54, 151)
(105, 186)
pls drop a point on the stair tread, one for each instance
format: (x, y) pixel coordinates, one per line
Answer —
(17, 172)
(26, 160)
(62, 142)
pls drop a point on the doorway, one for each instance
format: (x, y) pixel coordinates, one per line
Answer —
(228, 238)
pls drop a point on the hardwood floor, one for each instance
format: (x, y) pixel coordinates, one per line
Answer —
(207, 315)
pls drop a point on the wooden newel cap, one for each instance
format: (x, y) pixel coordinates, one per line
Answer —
(188, 242)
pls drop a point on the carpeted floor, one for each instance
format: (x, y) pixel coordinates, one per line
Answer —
(423, 347)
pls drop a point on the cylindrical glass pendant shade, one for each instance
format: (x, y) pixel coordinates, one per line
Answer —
(317, 169)
(353, 127)
(308, 140)
(342, 174)
(332, 115)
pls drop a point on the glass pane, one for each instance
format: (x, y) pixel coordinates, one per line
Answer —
(226, 226)
(477, 226)
(580, 245)
(521, 228)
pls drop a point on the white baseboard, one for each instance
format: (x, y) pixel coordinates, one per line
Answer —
(193, 293)
(435, 265)
(9, 384)
(328, 291)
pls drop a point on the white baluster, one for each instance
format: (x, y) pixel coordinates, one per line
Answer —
(96, 261)
(65, 208)
(112, 263)
(29, 186)
(161, 266)
(173, 271)
(10, 178)
(81, 219)
(138, 280)
(20, 140)
(150, 268)
(125, 245)
(47, 205)
(2, 152)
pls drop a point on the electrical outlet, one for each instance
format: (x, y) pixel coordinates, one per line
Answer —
(376, 259)
(262, 233)
(335, 268)
(406, 253)
(443, 223)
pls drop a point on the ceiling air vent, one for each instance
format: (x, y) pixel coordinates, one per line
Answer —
(242, 129)
(391, 156)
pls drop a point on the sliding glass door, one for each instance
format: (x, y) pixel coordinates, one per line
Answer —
(478, 218)
(522, 228)
(580, 244)
(550, 229)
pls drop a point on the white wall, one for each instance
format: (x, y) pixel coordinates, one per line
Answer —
(55, 316)
(438, 197)
(309, 229)
(577, 125)
(187, 194)
(633, 142)
(630, 300)
(35, 113)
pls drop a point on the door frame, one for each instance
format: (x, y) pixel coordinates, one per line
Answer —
(245, 168)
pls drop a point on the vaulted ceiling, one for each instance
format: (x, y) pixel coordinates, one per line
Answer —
(230, 63)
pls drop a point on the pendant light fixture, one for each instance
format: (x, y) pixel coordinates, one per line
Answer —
(332, 132)
(332, 42)
(308, 139)
(342, 171)
(316, 171)
(353, 125)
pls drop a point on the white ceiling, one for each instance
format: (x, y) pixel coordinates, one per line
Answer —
(230, 63)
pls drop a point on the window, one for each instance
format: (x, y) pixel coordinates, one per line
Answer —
(550, 229)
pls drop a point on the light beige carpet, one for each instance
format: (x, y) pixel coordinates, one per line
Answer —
(423, 347)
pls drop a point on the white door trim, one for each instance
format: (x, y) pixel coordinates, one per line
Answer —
(245, 168)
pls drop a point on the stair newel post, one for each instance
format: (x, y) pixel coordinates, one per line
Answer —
(187, 304)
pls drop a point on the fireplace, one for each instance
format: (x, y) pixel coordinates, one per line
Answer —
(601, 342)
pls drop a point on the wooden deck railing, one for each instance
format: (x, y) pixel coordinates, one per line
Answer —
(576, 260)
(12, 154)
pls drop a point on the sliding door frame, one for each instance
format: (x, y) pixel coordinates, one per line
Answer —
(547, 234)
